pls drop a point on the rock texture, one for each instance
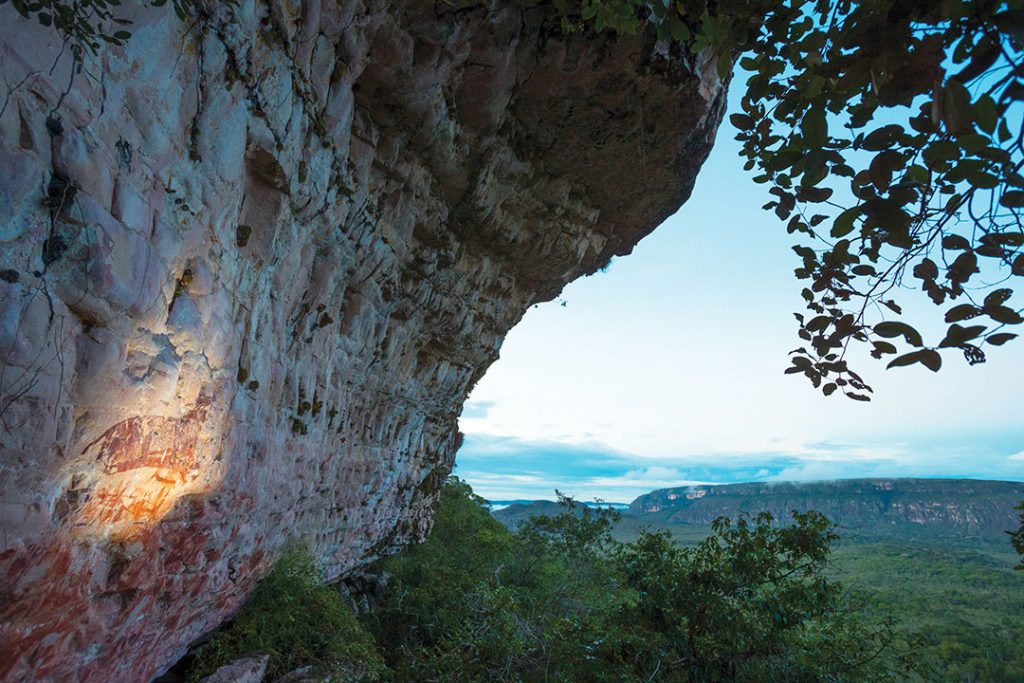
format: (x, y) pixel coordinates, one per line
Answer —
(246, 670)
(251, 265)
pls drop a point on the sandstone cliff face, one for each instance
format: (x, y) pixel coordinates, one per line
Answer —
(251, 266)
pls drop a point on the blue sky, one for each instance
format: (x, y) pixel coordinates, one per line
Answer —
(667, 369)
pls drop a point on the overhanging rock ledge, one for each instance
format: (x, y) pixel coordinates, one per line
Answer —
(252, 264)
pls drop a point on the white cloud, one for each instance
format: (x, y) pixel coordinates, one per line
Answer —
(488, 477)
(505, 467)
(476, 410)
(680, 350)
(654, 473)
(819, 470)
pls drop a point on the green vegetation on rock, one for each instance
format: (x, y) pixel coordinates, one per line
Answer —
(582, 594)
(561, 600)
(297, 620)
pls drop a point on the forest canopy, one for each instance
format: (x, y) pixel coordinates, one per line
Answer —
(560, 599)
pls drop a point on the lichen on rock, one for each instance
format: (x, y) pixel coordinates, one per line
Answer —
(253, 264)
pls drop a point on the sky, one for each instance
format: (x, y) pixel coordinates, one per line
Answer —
(667, 370)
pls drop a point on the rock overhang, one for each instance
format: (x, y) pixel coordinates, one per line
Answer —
(297, 236)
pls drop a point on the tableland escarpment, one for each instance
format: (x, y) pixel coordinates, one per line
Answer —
(960, 511)
(251, 265)
(857, 506)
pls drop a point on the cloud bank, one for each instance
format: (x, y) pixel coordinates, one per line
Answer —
(508, 468)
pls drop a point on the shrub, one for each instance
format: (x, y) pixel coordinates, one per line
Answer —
(299, 621)
(561, 600)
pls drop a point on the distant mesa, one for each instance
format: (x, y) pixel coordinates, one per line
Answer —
(496, 505)
(858, 506)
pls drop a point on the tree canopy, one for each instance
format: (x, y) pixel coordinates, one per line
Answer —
(561, 599)
(573, 596)
(888, 133)
(1017, 538)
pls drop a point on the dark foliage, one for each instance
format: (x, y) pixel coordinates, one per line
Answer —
(1017, 537)
(297, 620)
(560, 599)
(889, 134)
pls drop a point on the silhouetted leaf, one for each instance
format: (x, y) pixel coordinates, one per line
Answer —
(957, 335)
(940, 151)
(1000, 338)
(997, 298)
(882, 138)
(893, 306)
(984, 56)
(955, 242)
(926, 270)
(927, 357)
(931, 359)
(1004, 315)
(962, 312)
(904, 360)
(883, 166)
(1013, 239)
(880, 348)
(819, 323)
(982, 179)
(741, 121)
(956, 106)
(892, 328)
(965, 265)
(815, 127)
(844, 223)
(1012, 198)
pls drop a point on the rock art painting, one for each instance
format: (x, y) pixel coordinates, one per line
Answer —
(251, 267)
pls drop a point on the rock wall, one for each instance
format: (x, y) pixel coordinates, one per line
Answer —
(251, 265)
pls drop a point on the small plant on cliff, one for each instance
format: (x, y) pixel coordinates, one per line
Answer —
(86, 25)
(297, 620)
